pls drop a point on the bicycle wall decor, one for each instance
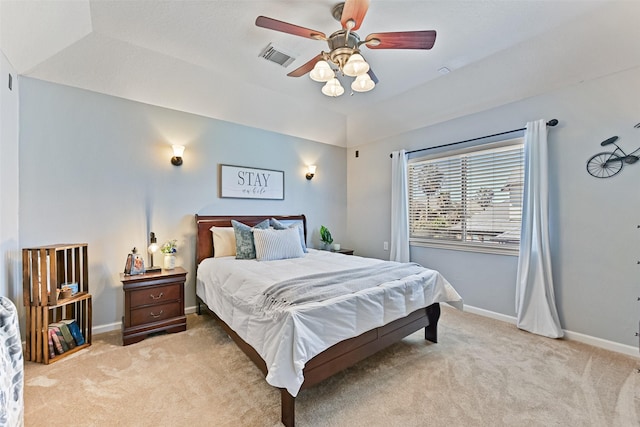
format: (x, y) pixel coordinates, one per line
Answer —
(610, 163)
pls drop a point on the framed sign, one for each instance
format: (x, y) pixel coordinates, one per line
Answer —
(251, 183)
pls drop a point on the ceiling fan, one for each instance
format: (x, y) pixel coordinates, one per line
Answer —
(344, 47)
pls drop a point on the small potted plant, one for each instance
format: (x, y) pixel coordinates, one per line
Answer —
(169, 250)
(325, 237)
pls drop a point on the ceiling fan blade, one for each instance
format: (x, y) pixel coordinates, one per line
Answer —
(402, 40)
(372, 76)
(354, 10)
(285, 27)
(306, 67)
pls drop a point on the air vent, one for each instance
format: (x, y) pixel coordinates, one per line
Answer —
(273, 54)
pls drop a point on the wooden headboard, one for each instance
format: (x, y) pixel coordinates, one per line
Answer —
(204, 238)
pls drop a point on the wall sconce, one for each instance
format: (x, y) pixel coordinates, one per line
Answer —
(153, 248)
(311, 171)
(178, 151)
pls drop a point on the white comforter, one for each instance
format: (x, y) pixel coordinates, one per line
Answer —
(233, 288)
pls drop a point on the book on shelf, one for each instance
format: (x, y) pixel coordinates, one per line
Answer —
(63, 342)
(75, 330)
(52, 349)
(58, 340)
(66, 334)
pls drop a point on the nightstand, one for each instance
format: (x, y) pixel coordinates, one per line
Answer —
(153, 302)
(344, 251)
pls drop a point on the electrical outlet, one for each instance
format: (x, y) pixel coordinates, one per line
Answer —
(386, 246)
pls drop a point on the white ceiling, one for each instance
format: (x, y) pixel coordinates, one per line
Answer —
(202, 57)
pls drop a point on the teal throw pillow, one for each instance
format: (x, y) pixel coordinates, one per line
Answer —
(245, 246)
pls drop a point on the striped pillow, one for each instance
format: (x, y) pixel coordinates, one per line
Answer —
(274, 244)
(281, 225)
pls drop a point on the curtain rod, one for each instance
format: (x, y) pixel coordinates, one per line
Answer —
(551, 123)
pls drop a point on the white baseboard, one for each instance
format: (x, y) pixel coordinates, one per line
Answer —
(629, 350)
(491, 314)
(101, 329)
(106, 328)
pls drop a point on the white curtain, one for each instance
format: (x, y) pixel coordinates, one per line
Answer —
(399, 208)
(535, 301)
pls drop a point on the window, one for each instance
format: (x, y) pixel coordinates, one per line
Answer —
(468, 199)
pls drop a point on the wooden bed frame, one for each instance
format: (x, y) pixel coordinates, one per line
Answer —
(336, 358)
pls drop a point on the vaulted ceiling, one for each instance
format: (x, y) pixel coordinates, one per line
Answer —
(203, 57)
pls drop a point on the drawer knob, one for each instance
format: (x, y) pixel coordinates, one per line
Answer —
(155, 316)
(156, 297)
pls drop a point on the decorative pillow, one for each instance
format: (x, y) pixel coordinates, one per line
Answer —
(298, 224)
(245, 248)
(224, 241)
(274, 244)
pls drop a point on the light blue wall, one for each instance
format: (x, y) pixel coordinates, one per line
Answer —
(96, 169)
(594, 235)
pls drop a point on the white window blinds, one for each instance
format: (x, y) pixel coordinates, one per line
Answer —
(469, 199)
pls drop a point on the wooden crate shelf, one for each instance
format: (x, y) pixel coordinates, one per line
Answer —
(45, 270)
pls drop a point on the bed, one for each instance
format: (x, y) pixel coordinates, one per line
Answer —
(299, 346)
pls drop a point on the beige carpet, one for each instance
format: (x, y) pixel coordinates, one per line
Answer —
(482, 373)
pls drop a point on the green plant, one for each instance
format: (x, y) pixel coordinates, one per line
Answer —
(325, 235)
(171, 247)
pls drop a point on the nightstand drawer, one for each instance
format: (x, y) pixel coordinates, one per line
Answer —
(155, 295)
(155, 313)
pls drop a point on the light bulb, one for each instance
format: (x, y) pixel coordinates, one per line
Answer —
(363, 83)
(355, 66)
(333, 88)
(322, 72)
(178, 150)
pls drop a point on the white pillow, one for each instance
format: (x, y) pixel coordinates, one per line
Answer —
(224, 241)
(274, 244)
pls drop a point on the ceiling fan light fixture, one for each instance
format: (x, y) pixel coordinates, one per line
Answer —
(362, 83)
(333, 88)
(344, 45)
(355, 66)
(322, 72)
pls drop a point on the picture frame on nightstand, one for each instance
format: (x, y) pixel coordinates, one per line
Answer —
(134, 264)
